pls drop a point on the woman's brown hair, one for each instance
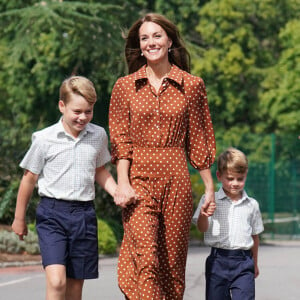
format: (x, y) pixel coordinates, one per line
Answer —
(178, 54)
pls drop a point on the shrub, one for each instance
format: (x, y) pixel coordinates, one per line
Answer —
(10, 243)
(107, 240)
(117, 227)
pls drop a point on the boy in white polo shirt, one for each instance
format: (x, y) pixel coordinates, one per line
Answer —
(231, 232)
(66, 159)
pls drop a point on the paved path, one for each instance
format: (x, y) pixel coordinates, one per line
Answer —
(279, 277)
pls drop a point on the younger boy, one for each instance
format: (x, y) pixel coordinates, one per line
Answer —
(65, 159)
(231, 232)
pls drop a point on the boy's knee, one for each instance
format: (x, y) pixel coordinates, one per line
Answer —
(56, 278)
(57, 283)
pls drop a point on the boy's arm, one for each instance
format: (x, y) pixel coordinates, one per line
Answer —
(26, 188)
(202, 222)
(254, 251)
(105, 180)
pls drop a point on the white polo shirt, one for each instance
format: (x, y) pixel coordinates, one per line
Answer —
(233, 222)
(66, 165)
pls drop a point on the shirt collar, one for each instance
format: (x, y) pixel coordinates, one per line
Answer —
(222, 196)
(175, 74)
(60, 130)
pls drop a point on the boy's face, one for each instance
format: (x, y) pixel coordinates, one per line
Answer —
(233, 183)
(77, 113)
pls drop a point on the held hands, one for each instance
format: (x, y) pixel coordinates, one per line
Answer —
(124, 195)
(209, 206)
(209, 210)
(20, 228)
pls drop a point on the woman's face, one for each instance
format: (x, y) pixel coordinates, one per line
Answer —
(154, 42)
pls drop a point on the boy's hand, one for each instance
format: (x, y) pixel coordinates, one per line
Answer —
(209, 206)
(20, 228)
(209, 210)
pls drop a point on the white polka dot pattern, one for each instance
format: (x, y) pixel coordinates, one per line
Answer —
(156, 131)
(177, 117)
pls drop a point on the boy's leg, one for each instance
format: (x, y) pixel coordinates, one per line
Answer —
(53, 242)
(217, 284)
(82, 260)
(74, 289)
(68, 241)
(243, 287)
(55, 282)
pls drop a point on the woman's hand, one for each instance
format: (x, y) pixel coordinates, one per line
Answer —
(124, 195)
(209, 206)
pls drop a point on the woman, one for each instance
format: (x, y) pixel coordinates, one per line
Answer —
(158, 116)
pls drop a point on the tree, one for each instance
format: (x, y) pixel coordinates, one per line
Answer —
(246, 51)
(43, 42)
(239, 53)
(280, 95)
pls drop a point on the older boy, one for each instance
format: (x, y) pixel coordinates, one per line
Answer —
(232, 232)
(65, 159)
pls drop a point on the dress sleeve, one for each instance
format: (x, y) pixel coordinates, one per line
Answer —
(119, 123)
(200, 143)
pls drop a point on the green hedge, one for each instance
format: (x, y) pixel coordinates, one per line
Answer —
(107, 240)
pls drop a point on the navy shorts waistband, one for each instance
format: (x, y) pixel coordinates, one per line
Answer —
(66, 203)
(227, 252)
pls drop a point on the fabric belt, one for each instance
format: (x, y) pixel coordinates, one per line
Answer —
(66, 203)
(227, 252)
(162, 162)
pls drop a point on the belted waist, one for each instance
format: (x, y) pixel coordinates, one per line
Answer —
(152, 162)
(60, 203)
(229, 252)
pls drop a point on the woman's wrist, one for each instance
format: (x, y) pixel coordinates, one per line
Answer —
(209, 191)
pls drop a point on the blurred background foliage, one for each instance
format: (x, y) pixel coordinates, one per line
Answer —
(247, 52)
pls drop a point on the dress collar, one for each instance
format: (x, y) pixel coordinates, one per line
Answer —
(175, 74)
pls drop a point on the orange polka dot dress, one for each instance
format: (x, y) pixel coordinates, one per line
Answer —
(157, 132)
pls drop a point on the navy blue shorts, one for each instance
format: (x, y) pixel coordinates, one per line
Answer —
(67, 233)
(230, 275)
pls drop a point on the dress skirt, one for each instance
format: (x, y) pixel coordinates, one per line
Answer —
(156, 228)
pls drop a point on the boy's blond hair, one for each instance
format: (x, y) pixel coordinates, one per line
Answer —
(77, 85)
(232, 160)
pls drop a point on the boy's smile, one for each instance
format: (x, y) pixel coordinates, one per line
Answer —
(233, 183)
(77, 113)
